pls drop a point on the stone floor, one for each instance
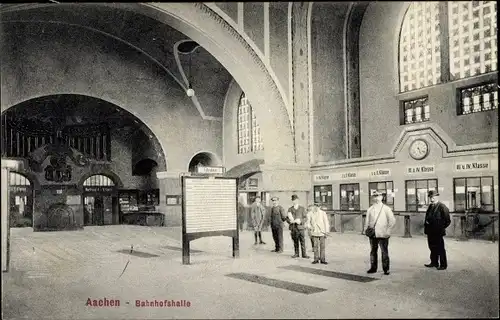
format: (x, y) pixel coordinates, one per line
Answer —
(53, 274)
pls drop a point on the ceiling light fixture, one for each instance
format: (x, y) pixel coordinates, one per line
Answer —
(190, 91)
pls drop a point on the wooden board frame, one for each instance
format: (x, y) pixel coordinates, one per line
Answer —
(188, 237)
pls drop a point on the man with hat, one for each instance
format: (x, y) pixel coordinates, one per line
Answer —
(437, 219)
(278, 215)
(381, 218)
(297, 218)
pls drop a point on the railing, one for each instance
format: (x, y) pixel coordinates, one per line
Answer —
(467, 227)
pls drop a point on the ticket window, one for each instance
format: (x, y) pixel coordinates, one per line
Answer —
(384, 187)
(324, 196)
(417, 194)
(349, 197)
(474, 194)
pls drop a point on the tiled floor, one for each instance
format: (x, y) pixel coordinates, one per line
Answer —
(54, 273)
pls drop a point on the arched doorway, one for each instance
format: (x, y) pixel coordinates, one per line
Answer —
(20, 200)
(203, 159)
(100, 201)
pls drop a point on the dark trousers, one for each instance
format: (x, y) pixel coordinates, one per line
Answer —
(319, 248)
(278, 237)
(298, 236)
(257, 234)
(384, 248)
(438, 252)
(241, 221)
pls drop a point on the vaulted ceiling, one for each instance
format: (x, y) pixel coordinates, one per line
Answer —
(209, 78)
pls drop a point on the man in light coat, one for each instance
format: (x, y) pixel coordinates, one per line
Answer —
(382, 217)
(258, 214)
(318, 226)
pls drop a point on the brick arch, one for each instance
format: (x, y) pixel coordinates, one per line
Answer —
(104, 172)
(201, 24)
(156, 144)
(212, 32)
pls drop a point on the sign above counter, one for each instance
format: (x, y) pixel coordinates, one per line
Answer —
(463, 166)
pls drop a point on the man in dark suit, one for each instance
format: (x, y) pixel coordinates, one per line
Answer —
(437, 219)
(278, 215)
(297, 218)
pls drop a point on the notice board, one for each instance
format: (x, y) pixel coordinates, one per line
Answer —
(210, 204)
(209, 208)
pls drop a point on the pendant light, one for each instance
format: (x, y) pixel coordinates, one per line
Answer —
(190, 91)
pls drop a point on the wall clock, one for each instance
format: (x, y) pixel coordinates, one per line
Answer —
(419, 149)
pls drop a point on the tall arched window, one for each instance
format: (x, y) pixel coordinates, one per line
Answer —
(420, 47)
(462, 31)
(249, 137)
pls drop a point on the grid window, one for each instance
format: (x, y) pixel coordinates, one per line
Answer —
(473, 194)
(384, 187)
(349, 196)
(420, 44)
(416, 194)
(249, 136)
(478, 98)
(416, 110)
(473, 48)
(98, 180)
(17, 179)
(324, 196)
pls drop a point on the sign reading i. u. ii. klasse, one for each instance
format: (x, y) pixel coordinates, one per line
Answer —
(209, 208)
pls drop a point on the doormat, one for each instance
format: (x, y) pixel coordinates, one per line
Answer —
(331, 274)
(280, 284)
(138, 253)
(180, 249)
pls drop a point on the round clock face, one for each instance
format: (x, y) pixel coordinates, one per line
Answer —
(419, 149)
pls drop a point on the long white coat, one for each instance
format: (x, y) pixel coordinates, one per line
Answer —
(385, 222)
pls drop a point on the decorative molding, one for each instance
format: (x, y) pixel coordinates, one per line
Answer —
(241, 15)
(448, 146)
(346, 91)
(267, 53)
(170, 174)
(194, 98)
(290, 63)
(310, 80)
(239, 33)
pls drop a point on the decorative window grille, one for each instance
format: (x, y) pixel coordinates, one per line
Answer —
(478, 98)
(17, 179)
(420, 47)
(98, 180)
(473, 38)
(416, 110)
(249, 136)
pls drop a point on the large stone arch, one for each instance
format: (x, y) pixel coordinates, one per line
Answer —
(204, 26)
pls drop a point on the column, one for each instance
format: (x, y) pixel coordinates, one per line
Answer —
(7, 165)
(300, 79)
(170, 187)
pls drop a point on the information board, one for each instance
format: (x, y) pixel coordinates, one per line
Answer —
(210, 204)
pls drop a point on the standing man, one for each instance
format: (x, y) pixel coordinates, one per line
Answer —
(297, 218)
(241, 213)
(258, 215)
(381, 218)
(319, 226)
(278, 215)
(437, 219)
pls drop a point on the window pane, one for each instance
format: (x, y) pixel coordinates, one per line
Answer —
(487, 194)
(243, 125)
(459, 195)
(473, 38)
(422, 184)
(416, 110)
(478, 98)
(432, 184)
(419, 45)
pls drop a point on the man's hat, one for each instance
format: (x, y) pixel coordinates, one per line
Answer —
(433, 193)
(274, 198)
(294, 197)
(376, 193)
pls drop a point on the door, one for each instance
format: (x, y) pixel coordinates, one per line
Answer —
(107, 211)
(98, 214)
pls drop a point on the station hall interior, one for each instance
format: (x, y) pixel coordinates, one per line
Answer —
(106, 105)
